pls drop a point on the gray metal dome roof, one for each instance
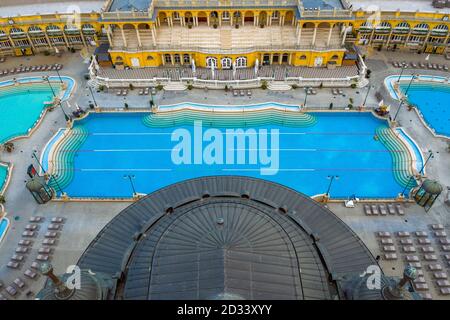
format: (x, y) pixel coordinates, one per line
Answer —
(432, 186)
(218, 237)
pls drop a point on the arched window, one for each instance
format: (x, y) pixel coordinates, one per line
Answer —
(150, 58)
(366, 25)
(177, 58)
(440, 29)
(422, 26)
(402, 25)
(241, 62)
(16, 31)
(34, 29)
(335, 57)
(53, 29)
(275, 15)
(384, 25)
(225, 15)
(226, 63)
(168, 58)
(186, 58)
(303, 57)
(211, 61)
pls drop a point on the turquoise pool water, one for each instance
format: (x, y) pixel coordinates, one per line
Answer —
(433, 101)
(3, 174)
(109, 147)
(21, 107)
(3, 226)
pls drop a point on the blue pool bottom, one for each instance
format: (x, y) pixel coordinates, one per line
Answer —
(342, 144)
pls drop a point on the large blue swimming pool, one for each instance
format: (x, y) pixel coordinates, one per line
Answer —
(433, 101)
(108, 147)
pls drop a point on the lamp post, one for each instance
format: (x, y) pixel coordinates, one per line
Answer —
(407, 185)
(367, 95)
(64, 112)
(131, 177)
(306, 96)
(398, 109)
(331, 181)
(430, 156)
(409, 85)
(401, 73)
(49, 84)
(59, 76)
(92, 94)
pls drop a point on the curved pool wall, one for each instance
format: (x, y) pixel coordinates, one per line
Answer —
(418, 157)
(431, 96)
(4, 225)
(229, 108)
(103, 148)
(4, 174)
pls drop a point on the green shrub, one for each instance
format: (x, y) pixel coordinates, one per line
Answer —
(331, 106)
(190, 87)
(2, 199)
(159, 87)
(294, 86)
(350, 106)
(264, 85)
(131, 87)
(353, 86)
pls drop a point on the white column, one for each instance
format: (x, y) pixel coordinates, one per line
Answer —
(329, 35)
(207, 19)
(123, 37)
(345, 35)
(220, 19)
(138, 37)
(314, 36)
(299, 35)
(154, 35)
(108, 34)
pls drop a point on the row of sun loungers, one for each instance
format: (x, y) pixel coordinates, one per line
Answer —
(40, 68)
(122, 92)
(25, 245)
(433, 270)
(383, 209)
(241, 93)
(420, 65)
(336, 92)
(146, 91)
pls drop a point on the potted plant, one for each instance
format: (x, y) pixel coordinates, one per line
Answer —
(215, 25)
(2, 199)
(9, 147)
(331, 106)
(126, 105)
(264, 85)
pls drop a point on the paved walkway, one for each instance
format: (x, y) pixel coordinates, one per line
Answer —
(85, 220)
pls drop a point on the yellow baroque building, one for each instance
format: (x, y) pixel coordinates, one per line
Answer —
(221, 34)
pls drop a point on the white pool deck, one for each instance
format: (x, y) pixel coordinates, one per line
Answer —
(393, 5)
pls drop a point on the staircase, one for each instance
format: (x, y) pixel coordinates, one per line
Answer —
(279, 86)
(225, 38)
(175, 86)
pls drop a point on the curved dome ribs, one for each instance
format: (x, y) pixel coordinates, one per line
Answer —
(282, 245)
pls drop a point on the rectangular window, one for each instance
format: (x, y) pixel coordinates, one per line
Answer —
(167, 58)
(186, 59)
(176, 16)
(225, 15)
(275, 15)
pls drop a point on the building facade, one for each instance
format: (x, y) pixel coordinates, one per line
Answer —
(225, 34)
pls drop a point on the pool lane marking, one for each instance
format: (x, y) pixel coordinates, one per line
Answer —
(232, 133)
(113, 170)
(243, 149)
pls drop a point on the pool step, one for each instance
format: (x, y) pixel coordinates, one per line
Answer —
(175, 86)
(279, 86)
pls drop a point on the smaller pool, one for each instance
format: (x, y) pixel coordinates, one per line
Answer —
(23, 105)
(4, 224)
(431, 96)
